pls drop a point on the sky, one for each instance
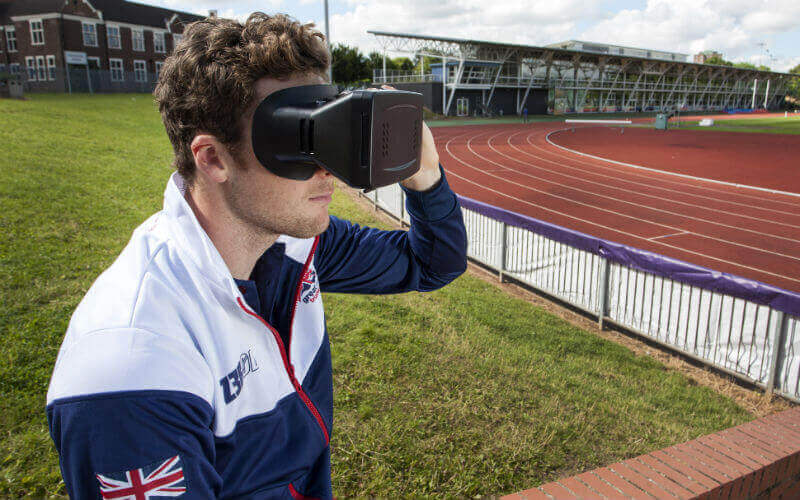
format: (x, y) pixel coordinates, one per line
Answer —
(756, 31)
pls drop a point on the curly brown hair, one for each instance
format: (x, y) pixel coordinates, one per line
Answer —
(207, 84)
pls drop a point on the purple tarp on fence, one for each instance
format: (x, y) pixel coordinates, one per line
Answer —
(666, 267)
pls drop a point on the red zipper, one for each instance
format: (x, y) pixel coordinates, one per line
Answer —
(297, 495)
(284, 352)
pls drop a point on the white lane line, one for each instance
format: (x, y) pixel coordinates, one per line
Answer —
(618, 179)
(638, 219)
(649, 207)
(661, 243)
(685, 176)
(600, 165)
(668, 235)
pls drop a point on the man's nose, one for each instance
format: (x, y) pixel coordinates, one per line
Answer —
(322, 173)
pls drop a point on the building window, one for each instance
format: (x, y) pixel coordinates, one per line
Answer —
(89, 34)
(176, 39)
(159, 65)
(42, 69)
(140, 71)
(94, 62)
(51, 67)
(138, 40)
(14, 69)
(37, 32)
(11, 39)
(158, 42)
(3, 68)
(117, 74)
(30, 63)
(114, 40)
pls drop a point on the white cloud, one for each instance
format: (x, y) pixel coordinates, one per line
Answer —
(235, 9)
(518, 21)
(734, 28)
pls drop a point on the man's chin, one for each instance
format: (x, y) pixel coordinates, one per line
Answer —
(310, 230)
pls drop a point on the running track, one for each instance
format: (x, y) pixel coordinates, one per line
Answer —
(745, 232)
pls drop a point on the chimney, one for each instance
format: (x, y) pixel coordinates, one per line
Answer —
(212, 13)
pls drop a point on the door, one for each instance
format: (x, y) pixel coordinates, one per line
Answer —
(78, 78)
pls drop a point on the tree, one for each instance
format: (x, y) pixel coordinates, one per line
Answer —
(404, 63)
(793, 87)
(376, 61)
(719, 61)
(350, 66)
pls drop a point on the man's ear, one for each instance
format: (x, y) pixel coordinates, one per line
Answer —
(208, 155)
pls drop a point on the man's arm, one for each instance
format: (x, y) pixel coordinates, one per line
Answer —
(122, 431)
(429, 255)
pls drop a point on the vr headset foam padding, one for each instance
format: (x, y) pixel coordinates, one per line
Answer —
(367, 138)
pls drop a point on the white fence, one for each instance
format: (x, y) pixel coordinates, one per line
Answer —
(744, 328)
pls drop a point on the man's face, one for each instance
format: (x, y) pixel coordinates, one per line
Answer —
(270, 204)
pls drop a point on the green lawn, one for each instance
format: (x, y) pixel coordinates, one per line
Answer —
(788, 125)
(460, 392)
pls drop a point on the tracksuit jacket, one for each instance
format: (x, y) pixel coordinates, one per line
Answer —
(176, 380)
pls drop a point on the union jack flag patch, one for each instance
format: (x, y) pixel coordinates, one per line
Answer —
(159, 479)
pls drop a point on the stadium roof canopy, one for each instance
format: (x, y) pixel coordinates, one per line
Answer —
(497, 51)
(622, 81)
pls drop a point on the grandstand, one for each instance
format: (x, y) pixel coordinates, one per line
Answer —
(477, 78)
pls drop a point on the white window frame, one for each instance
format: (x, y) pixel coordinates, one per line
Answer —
(11, 39)
(41, 68)
(96, 59)
(112, 62)
(176, 39)
(159, 45)
(14, 69)
(117, 39)
(140, 70)
(135, 38)
(159, 67)
(30, 67)
(93, 33)
(38, 31)
(51, 68)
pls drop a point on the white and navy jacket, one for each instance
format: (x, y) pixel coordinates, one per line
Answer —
(174, 379)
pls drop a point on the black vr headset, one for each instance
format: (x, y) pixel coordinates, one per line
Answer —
(367, 138)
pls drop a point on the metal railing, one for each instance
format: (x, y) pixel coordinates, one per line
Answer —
(744, 328)
(82, 80)
(594, 83)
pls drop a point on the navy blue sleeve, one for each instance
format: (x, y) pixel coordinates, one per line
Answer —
(132, 441)
(432, 253)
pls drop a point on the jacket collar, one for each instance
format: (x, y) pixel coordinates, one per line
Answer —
(194, 242)
(192, 238)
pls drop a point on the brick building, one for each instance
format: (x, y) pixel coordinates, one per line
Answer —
(704, 56)
(87, 45)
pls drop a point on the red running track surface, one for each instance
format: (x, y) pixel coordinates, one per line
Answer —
(754, 234)
(771, 161)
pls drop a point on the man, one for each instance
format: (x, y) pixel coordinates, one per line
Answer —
(198, 364)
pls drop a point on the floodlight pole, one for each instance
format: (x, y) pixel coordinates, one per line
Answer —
(328, 39)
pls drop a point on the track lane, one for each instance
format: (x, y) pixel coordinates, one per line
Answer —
(514, 169)
(670, 221)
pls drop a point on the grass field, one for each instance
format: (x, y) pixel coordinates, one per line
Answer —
(461, 392)
(788, 125)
